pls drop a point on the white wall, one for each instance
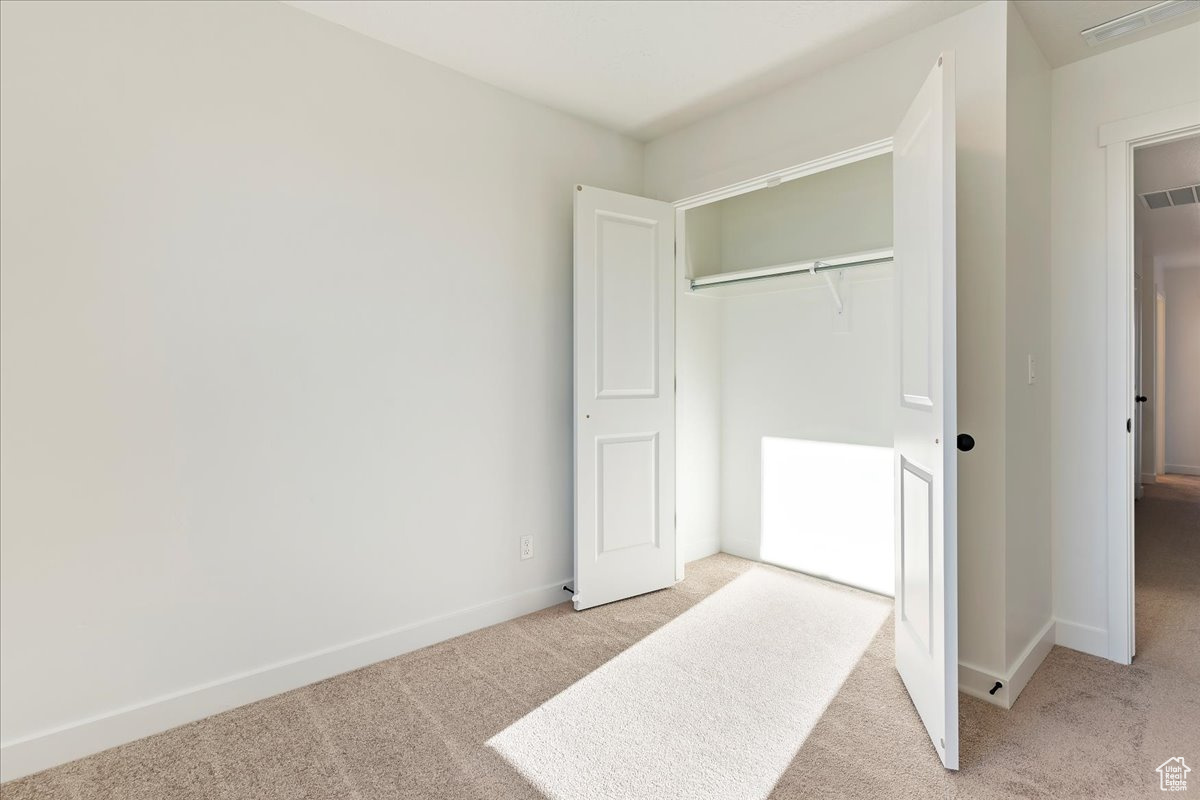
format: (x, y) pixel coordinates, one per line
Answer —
(1028, 593)
(1181, 287)
(787, 373)
(843, 210)
(860, 101)
(1160, 376)
(698, 392)
(697, 426)
(286, 357)
(1119, 84)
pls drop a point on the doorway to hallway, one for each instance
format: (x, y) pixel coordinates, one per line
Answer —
(1167, 555)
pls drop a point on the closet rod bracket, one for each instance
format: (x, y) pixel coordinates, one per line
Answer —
(833, 290)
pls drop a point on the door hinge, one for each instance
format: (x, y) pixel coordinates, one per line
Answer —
(1129, 425)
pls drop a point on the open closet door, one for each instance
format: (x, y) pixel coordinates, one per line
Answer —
(624, 396)
(926, 415)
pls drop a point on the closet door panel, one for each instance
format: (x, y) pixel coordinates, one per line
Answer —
(624, 398)
(925, 460)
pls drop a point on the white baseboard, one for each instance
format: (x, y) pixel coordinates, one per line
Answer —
(1030, 659)
(740, 548)
(695, 550)
(1148, 477)
(1182, 469)
(1084, 638)
(84, 737)
(978, 682)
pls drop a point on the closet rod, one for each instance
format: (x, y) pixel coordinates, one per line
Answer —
(797, 268)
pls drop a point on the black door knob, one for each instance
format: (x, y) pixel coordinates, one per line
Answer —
(966, 442)
(1141, 398)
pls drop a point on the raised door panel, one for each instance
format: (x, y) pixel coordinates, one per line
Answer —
(626, 306)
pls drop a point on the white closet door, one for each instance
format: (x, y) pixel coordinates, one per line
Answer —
(624, 396)
(926, 414)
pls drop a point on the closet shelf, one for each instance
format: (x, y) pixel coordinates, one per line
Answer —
(848, 261)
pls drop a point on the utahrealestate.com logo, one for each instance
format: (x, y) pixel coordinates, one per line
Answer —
(1172, 775)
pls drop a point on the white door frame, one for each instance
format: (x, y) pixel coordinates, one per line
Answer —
(1120, 139)
(766, 181)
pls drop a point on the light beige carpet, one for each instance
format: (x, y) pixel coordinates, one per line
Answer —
(1167, 563)
(711, 706)
(417, 726)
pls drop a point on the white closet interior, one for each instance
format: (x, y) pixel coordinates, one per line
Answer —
(786, 375)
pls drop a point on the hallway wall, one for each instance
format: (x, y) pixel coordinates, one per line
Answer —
(1181, 287)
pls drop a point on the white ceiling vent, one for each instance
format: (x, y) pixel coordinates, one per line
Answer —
(1183, 196)
(1129, 23)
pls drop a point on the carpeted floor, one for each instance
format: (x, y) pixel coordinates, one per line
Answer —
(711, 706)
(417, 726)
(1167, 564)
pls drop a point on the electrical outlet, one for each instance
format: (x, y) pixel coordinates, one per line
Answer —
(526, 547)
(1032, 370)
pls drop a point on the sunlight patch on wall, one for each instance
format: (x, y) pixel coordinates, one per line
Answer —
(828, 510)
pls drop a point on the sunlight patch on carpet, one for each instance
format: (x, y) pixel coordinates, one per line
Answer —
(713, 705)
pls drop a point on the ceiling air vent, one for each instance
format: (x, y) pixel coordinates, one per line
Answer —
(1181, 197)
(1184, 195)
(1129, 23)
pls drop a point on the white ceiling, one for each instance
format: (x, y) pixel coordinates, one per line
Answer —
(1173, 233)
(646, 68)
(1055, 25)
(641, 68)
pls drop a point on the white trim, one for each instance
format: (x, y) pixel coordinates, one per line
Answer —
(1149, 477)
(78, 739)
(1084, 638)
(696, 549)
(1030, 659)
(1119, 461)
(683, 546)
(978, 682)
(739, 547)
(1156, 123)
(1120, 138)
(788, 174)
(1182, 469)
